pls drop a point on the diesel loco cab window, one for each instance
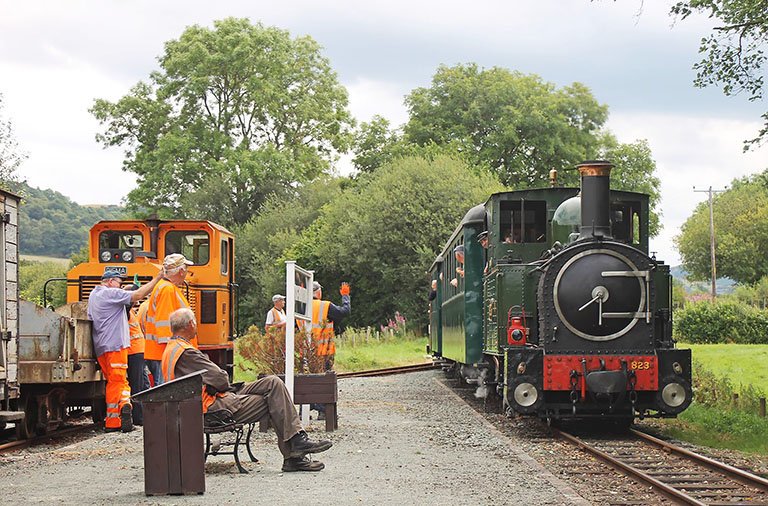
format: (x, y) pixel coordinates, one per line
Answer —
(193, 244)
(126, 239)
(523, 221)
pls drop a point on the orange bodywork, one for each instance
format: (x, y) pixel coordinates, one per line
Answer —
(136, 247)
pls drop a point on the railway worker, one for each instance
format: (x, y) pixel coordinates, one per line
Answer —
(276, 319)
(324, 315)
(111, 341)
(135, 356)
(248, 403)
(482, 238)
(166, 298)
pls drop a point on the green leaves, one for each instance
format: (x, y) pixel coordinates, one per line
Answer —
(741, 232)
(234, 114)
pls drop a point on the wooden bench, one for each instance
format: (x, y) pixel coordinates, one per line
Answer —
(220, 422)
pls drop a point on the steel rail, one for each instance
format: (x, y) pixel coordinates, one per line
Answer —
(740, 475)
(665, 489)
(25, 443)
(390, 370)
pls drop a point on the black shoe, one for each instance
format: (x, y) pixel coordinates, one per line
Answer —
(302, 464)
(126, 418)
(302, 445)
(112, 429)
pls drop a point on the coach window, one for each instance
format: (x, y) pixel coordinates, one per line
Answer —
(224, 256)
(523, 221)
(120, 239)
(193, 244)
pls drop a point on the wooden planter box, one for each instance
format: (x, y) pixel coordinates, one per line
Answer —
(315, 389)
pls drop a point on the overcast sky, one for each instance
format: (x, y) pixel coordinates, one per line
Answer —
(56, 57)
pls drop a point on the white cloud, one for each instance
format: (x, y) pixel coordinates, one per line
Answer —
(690, 151)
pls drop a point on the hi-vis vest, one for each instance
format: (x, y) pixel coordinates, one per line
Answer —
(322, 328)
(277, 317)
(171, 356)
(137, 336)
(165, 299)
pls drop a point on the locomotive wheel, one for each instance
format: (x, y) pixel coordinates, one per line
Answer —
(28, 428)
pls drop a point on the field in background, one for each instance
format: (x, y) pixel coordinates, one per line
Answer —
(744, 364)
(36, 258)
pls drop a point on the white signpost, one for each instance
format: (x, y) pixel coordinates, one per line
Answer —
(298, 306)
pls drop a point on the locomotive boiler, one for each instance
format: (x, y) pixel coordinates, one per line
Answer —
(563, 313)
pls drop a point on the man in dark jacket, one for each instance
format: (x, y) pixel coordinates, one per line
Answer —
(248, 403)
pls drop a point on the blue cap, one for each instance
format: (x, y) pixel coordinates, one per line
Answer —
(112, 274)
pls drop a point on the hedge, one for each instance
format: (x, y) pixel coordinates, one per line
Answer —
(721, 322)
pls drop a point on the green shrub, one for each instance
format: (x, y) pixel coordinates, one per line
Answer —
(717, 391)
(725, 322)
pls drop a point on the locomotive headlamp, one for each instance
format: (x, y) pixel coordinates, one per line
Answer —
(677, 368)
(517, 334)
(127, 256)
(106, 256)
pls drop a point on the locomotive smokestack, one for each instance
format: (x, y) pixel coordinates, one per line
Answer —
(595, 203)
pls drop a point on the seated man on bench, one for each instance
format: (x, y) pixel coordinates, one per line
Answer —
(248, 403)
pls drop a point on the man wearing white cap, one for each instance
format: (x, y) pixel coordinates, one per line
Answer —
(166, 298)
(276, 318)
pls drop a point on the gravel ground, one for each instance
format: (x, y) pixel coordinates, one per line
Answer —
(401, 439)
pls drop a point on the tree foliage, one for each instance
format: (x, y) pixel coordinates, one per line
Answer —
(11, 155)
(734, 54)
(382, 234)
(261, 243)
(517, 125)
(32, 278)
(51, 224)
(741, 231)
(234, 114)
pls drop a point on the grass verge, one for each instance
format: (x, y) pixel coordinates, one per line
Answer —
(743, 364)
(719, 428)
(359, 357)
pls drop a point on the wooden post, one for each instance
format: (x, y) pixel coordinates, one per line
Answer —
(735, 400)
(762, 407)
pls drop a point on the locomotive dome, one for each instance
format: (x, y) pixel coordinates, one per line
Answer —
(569, 212)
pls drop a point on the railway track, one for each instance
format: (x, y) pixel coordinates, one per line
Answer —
(26, 443)
(390, 370)
(681, 475)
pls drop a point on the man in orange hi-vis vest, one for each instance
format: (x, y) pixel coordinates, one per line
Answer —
(324, 314)
(111, 341)
(166, 298)
(136, 357)
(266, 398)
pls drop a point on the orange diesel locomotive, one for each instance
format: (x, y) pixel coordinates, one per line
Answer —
(130, 246)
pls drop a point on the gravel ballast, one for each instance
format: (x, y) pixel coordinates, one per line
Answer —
(403, 439)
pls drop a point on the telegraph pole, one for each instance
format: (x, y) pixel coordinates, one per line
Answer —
(711, 193)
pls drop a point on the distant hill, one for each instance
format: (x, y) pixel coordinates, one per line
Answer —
(52, 224)
(723, 285)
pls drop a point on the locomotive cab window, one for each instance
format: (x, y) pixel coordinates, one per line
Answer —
(625, 222)
(193, 244)
(121, 239)
(523, 221)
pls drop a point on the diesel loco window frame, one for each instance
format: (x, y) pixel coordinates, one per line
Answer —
(224, 256)
(121, 239)
(195, 245)
(523, 221)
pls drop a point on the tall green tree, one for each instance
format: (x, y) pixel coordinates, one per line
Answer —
(11, 156)
(734, 53)
(741, 231)
(234, 114)
(517, 125)
(383, 234)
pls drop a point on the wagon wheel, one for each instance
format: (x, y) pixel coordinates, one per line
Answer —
(27, 428)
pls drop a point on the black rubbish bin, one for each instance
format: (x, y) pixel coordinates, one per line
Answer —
(174, 460)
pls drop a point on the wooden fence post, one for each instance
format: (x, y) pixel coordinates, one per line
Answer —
(735, 400)
(762, 407)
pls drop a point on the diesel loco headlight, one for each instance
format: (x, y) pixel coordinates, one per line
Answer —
(106, 256)
(127, 256)
(674, 396)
